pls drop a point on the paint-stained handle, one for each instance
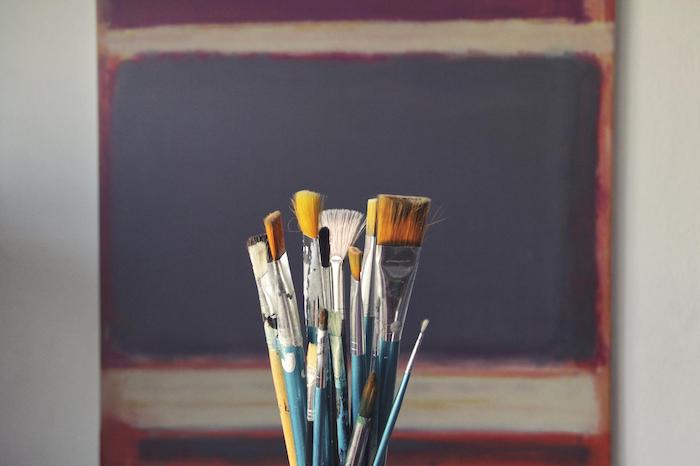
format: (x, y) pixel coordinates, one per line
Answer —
(358, 382)
(293, 366)
(282, 406)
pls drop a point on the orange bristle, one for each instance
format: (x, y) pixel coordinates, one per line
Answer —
(355, 258)
(307, 207)
(275, 234)
(401, 220)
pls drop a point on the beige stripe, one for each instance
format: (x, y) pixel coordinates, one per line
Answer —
(244, 399)
(508, 37)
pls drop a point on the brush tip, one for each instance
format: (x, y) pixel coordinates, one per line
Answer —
(307, 206)
(424, 325)
(324, 244)
(369, 394)
(259, 253)
(323, 320)
(371, 216)
(355, 258)
(401, 220)
(275, 234)
(345, 225)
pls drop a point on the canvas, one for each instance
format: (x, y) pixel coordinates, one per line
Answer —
(212, 113)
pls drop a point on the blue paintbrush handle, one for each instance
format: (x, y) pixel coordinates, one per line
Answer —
(319, 427)
(391, 422)
(388, 358)
(358, 382)
(293, 366)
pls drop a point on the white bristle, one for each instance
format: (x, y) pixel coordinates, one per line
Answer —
(344, 226)
(424, 325)
(258, 258)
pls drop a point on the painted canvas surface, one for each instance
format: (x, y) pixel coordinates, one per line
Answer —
(214, 112)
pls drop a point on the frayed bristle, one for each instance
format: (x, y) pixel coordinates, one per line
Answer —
(307, 207)
(371, 216)
(258, 252)
(275, 234)
(369, 394)
(401, 220)
(344, 225)
(355, 259)
(323, 320)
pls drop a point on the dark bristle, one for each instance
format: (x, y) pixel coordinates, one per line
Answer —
(324, 242)
(369, 394)
(255, 239)
(323, 320)
(275, 234)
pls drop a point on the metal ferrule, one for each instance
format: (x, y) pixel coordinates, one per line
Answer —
(358, 442)
(326, 285)
(357, 338)
(313, 286)
(266, 311)
(395, 273)
(321, 345)
(337, 287)
(366, 275)
(280, 287)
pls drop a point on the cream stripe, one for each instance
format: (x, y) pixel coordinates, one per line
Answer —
(508, 37)
(244, 399)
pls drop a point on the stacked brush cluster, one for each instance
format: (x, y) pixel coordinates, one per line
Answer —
(325, 423)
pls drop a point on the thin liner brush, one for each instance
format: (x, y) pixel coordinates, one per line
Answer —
(357, 337)
(288, 331)
(307, 207)
(396, 407)
(258, 252)
(367, 284)
(360, 434)
(400, 228)
(320, 425)
(344, 225)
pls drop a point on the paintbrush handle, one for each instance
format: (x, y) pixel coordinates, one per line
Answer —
(358, 382)
(387, 360)
(380, 458)
(293, 366)
(368, 331)
(341, 387)
(282, 406)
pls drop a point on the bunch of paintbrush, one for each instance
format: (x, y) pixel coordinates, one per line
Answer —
(325, 422)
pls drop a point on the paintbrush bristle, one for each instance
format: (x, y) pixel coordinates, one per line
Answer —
(323, 320)
(307, 207)
(401, 220)
(355, 259)
(344, 225)
(371, 216)
(324, 245)
(258, 252)
(369, 394)
(275, 234)
(424, 325)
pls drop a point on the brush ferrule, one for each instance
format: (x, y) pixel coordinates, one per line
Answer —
(357, 337)
(326, 285)
(358, 442)
(366, 274)
(313, 286)
(284, 302)
(265, 311)
(337, 286)
(395, 274)
(321, 357)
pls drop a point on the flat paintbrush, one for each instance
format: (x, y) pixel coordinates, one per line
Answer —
(258, 252)
(367, 284)
(288, 331)
(358, 363)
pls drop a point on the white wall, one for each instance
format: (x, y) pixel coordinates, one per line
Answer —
(48, 234)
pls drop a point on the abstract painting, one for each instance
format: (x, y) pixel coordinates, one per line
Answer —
(213, 112)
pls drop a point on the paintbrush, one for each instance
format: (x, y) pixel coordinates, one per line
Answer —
(288, 331)
(360, 434)
(307, 206)
(396, 407)
(320, 452)
(367, 284)
(400, 226)
(357, 337)
(344, 226)
(258, 252)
